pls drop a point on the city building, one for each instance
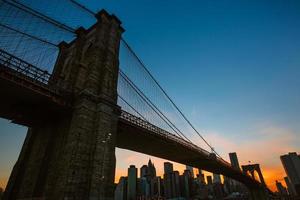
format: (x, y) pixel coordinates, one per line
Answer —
(156, 187)
(290, 188)
(191, 169)
(121, 189)
(173, 185)
(291, 164)
(281, 189)
(143, 187)
(234, 160)
(168, 167)
(151, 169)
(201, 176)
(144, 171)
(186, 183)
(132, 183)
(176, 184)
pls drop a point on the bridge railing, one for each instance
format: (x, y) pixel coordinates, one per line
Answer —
(144, 124)
(24, 68)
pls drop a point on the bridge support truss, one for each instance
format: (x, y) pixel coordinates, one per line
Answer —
(73, 155)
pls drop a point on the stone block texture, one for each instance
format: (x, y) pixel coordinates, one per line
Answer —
(73, 156)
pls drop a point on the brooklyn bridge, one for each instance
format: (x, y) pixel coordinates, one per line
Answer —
(83, 92)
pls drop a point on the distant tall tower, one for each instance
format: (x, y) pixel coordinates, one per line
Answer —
(120, 191)
(201, 176)
(191, 169)
(291, 164)
(176, 184)
(156, 187)
(132, 183)
(144, 171)
(186, 185)
(234, 160)
(168, 167)
(151, 169)
(169, 185)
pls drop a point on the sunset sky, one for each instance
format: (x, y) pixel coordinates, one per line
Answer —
(233, 67)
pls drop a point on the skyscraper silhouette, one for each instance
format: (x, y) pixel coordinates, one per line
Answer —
(132, 183)
(234, 160)
(291, 164)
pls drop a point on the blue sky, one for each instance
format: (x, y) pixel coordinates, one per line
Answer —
(232, 66)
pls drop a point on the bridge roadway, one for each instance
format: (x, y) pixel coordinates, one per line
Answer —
(27, 97)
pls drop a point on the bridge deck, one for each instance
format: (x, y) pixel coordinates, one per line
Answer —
(137, 135)
(26, 96)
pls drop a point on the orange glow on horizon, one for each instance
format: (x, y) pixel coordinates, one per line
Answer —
(3, 182)
(273, 174)
(270, 175)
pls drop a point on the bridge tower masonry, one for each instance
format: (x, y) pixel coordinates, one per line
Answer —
(73, 156)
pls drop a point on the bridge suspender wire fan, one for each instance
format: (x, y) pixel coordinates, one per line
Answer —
(160, 107)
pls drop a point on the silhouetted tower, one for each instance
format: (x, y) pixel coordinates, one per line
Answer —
(144, 171)
(291, 164)
(151, 169)
(290, 187)
(121, 189)
(234, 160)
(191, 169)
(132, 183)
(168, 167)
(74, 155)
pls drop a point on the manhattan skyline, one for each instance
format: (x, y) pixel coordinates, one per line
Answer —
(233, 68)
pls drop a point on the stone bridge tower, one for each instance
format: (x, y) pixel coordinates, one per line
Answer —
(73, 156)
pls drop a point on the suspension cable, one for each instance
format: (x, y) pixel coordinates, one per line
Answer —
(144, 100)
(168, 97)
(149, 102)
(40, 15)
(133, 108)
(67, 28)
(28, 35)
(83, 7)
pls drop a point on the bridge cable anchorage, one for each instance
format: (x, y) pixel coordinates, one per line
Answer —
(28, 35)
(40, 15)
(168, 97)
(153, 107)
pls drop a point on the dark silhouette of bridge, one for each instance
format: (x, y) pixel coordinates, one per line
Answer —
(78, 114)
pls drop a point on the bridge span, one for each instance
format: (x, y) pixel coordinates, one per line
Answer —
(28, 98)
(75, 123)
